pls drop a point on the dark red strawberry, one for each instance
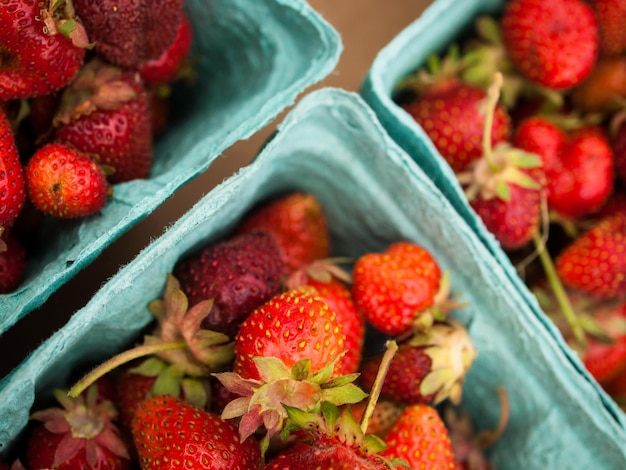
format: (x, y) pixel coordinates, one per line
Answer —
(12, 264)
(552, 42)
(398, 290)
(239, 274)
(419, 437)
(446, 346)
(611, 15)
(65, 183)
(12, 183)
(578, 165)
(82, 434)
(617, 389)
(164, 68)
(618, 143)
(167, 429)
(130, 33)
(604, 88)
(595, 262)
(298, 222)
(41, 47)
(106, 112)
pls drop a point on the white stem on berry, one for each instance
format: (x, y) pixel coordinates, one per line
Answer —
(383, 368)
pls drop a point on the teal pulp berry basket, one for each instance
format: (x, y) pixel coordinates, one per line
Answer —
(441, 24)
(373, 194)
(252, 60)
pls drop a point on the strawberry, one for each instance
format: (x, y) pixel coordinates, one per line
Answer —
(298, 222)
(450, 114)
(618, 144)
(578, 165)
(604, 87)
(12, 183)
(130, 33)
(616, 388)
(167, 430)
(505, 185)
(82, 434)
(65, 183)
(438, 360)
(551, 42)
(329, 282)
(164, 68)
(398, 290)
(43, 47)
(384, 415)
(12, 264)
(106, 112)
(294, 325)
(239, 274)
(610, 15)
(595, 262)
(419, 436)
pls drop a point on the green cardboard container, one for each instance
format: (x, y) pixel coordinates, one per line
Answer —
(254, 59)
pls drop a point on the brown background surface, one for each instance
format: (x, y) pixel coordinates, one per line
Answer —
(365, 27)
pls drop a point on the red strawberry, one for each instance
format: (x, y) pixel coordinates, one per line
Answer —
(595, 262)
(42, 47)
(298, 222)
(164, 68)
(618, 143)
(106, 112)
(12, 264)
(168, 430)
(578, 166)
(438, 360)
(129, 33)
(239, 274)
(12, 184)
(552, 42)
(291, 326)
(65, 183)
(419, 436)
(610, 15)
(338, 296)
(604, 87)
(385, 414)
(450, 114)
(617, 389)
(397, 291)
(505, 186)
(82, 434)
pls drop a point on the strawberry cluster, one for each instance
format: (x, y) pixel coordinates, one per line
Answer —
(258, 358)
(83, 93)
(529, 112)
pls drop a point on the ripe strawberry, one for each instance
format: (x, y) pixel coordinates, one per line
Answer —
(604, 87)
(610, 15)
(168, 430)
(338, 296)
(294, 325)
(595, 262)
(164, 68)
(12, 264)
(239, 273)
(618, 144)
(450, 114)
(43, 47)
(419, 436)
(438, 360)
(398, 290)
(551, 42)
(129, 33)
(12, 184)
(82, 434)
(65, 183)
(106, 112)
(385, 414)
(578, 165)
(298, 222)
(505, 186)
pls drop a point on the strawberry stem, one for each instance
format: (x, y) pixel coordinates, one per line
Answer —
(493, 95)
(559, 291)
(392, 347)
(120, 359)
